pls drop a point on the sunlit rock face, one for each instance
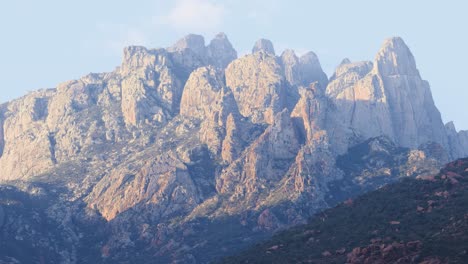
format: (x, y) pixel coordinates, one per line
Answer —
(387, 97)
(258, 86)
(159, 156)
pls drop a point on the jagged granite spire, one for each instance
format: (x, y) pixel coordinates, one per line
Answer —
(258, 83)
(220, 51)
(458, 141)
(264, 45)
(392, 95)
(304, 70)
(345, 61)
(312, 70)
(196, 43)
(395, 58)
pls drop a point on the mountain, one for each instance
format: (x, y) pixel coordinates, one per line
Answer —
(187, 154)
(422, 220)
(392, 94)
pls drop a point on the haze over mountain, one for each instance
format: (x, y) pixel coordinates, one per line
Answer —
(189, 153)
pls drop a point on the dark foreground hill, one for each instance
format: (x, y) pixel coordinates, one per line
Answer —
(422, 220)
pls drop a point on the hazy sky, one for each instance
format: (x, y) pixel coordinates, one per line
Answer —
(47, 42)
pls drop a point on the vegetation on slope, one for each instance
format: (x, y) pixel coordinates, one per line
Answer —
(422, 220)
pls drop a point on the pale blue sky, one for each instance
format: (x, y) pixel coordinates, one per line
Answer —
(47, 42)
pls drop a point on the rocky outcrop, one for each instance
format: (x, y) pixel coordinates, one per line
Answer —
(201, 91)
(26, 145)
(191, 51)
(347, 74)
(463, 136)
(175, 144)
(392, 94)
(233, 142)
(220, 51)
(161, 187)
(156, 77)
(74, 120)
(195, 43)
(310, 112)
(307, 179)
(457, 141)
(395, 58)
(263, 45)
(262, 165)
(415, 117)
(268, 221)
(63, 124)
(149, 86)
(208, 99)
(304, 70)
(379, 252)
(258, 85)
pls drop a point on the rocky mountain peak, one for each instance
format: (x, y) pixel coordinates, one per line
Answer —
(450, 126)
(138, 57)
(312, 70)
(304, 70)
(392, 93)
(264, 45)
(201, 91)
(395, 58)
(131, 51)
(196, 43)
(289, 55)
(257, 81)
(345, 61)
(179, 135)
(291, 67)
(457, 140)
(347, 68)
(221, 35)
(310, 58)
(220, 51)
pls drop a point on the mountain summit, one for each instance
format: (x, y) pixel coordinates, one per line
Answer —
(395, 58)
(189, 153)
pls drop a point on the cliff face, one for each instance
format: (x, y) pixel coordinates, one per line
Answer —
(391, 95)
(177, 142)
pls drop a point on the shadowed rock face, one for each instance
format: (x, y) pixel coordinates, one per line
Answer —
(304, 70)
(263, 45)
(195, 43)
(220, 51)
(157, 157)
